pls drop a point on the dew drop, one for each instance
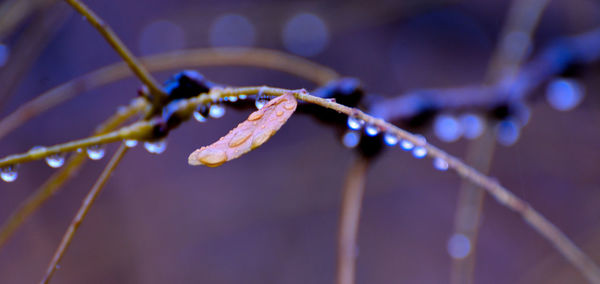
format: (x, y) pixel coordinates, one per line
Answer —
(351, 139)
(564, 94)
(472, 125)
(406, 145)
(56, 160)
(216, 111)
(95, 152)
(390, 139)
(447, 128)
(242, 97)
(199, 117)
(419, 152)
(355, 123)
(130, 143)
(233, 99)
(459, 246)
(371, 130)
(9, 173)
(261, 100)
(440, 164)
(507, 132)
(155, 147)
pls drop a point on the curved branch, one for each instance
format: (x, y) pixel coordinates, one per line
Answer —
(263, 58)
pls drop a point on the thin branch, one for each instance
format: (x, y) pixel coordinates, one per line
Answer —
(470, 202)
(159, 96)
(352, 197)
(28, 46)
(502, 195)
(54, 183)
(82, 212)
(264, 58)
(141, 130)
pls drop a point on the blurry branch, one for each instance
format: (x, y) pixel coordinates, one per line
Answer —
(568, 52)
(515, 41)
(467, 218)
(158, 95)
(28, 47)
(82, 212)
(14, 12)
(54, 183)
(264, 58)
(352, 197)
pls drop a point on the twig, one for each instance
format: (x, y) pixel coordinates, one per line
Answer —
(546, 229)
(263, 58)
(141, 130)
(158, 95)
(54, 183)
(352, 197)
(470, 202)
(82, 212)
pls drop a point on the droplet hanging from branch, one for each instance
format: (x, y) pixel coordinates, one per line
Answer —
(248, 135)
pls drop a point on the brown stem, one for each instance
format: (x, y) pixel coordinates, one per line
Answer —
(354, 189)
(82, 212)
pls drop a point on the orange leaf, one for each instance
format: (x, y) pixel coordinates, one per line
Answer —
(248, 135)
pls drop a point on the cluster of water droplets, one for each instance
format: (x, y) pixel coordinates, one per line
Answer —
(450, 128)
(352, 137)
(215, 110)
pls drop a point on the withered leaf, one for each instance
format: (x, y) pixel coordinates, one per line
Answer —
(248, 135)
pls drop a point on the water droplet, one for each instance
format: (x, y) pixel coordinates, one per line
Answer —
(406, 145)
(306, 34)
(155, 147)
(419, 152)
(216, 111)
(371, 130)
(459, 246)
(447, 128)
(507, 132)
(199, 117)
(351, 139)
(355, 123)
(212, 157)
(242, 97)
(36, 150)
(95, 152)
(233, 99)
(564, 94)
(55, 161)
(472, 125)
(390, 139)
(440, 164)
(9, 174)
(130, 143)
(261, 100)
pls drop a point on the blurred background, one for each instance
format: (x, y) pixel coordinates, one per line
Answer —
(272, 215)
